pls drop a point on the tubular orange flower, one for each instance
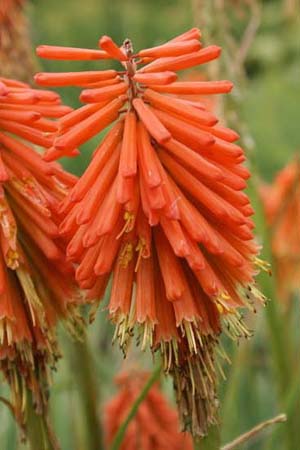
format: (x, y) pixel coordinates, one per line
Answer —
(156, 424)
(161, 209)
(36, 281)
(282, 209)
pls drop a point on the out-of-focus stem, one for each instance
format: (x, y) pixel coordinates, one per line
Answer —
(254, 432)
(277, 327)
(85, 377)
(122, 430)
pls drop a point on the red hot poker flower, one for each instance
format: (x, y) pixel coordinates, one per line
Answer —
(36, 281)
(282, 208)
(160, 208)
(156, 424)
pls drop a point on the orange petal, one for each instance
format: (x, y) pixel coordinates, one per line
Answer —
(184, 62)
(73, 78)
(104, 93)
(171, 49)
(128, 159)
(178, 107)
(107, 44)
(155, 128)
(155, 78)
(70, 53)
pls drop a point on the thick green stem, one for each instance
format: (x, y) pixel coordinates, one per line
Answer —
(211, 442)
(38, 430)
(122, 430)
(85, 377)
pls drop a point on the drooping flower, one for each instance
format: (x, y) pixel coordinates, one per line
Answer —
(281, 201)
(156, 424)
(36, 282)
(160, 209)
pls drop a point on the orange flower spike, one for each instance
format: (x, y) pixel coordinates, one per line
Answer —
(171, 49)
(89, 127)
(155, 128)
(128, 159)
(104, 93)
(70, 53)
(159, 78)
(73, 78)
(172, 216)
(107, 44)
(178, 107)
(155, 427)
(39, 283)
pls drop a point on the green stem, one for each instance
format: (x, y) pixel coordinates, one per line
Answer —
(122, 430)
(86, 380)
(211, 442)
(38, 430)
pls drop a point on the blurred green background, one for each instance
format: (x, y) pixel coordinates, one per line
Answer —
(268, 101)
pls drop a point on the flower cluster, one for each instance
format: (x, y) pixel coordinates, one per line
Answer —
(156, 424)
(282, 208)
(36, 282)
(160, 210)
